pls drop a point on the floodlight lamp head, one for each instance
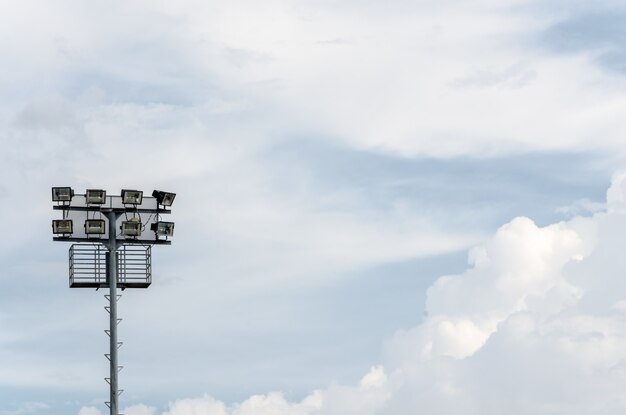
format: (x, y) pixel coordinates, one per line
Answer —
(164, 198)
(62, 194)
(62, 227)
(163, 228)
(94, 227)
(131, 228)
(132, 197)
(95, 196)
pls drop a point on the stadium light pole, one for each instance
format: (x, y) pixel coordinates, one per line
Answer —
(111, 277)
(86, 259)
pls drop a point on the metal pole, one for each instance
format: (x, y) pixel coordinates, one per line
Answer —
(112, 279)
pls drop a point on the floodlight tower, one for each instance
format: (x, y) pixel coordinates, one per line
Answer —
(103, 258)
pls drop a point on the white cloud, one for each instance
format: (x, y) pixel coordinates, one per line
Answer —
(444, 79)
(366, 398)
(522, 326)
(518, 267)
(89, 410)
(616, 195)
(139, 409)
(199, 406)
(440, 79)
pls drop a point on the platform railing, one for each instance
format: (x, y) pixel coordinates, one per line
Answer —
(88, 263)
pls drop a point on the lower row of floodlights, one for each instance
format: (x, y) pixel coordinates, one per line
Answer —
(130, 228)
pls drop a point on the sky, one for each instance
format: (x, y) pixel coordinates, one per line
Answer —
(382, 208)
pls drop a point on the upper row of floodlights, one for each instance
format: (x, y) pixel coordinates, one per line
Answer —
(99, 196)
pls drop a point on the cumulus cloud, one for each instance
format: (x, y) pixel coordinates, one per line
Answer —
(528, 328)
(616, 195)
(139, 409)
(525, 328)
(518, 265)
(89, 410)
(364, 399)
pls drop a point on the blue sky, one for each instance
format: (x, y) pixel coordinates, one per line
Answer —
(382, 208)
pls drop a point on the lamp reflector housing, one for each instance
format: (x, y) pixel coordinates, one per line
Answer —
(131, 228)
(62, 194)
(94, 227)
(164, 198)
(95, 196)
(62, 226)
(132, 197)
(163, 228)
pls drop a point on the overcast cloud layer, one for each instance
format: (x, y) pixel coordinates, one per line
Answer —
(332, 162)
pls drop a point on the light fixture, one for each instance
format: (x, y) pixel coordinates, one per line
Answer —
(163, 228)
(62, 226)
(94, 227)
(164, 198)
(95, 196)
(131, 228)
(62, 194)
(132, 197)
